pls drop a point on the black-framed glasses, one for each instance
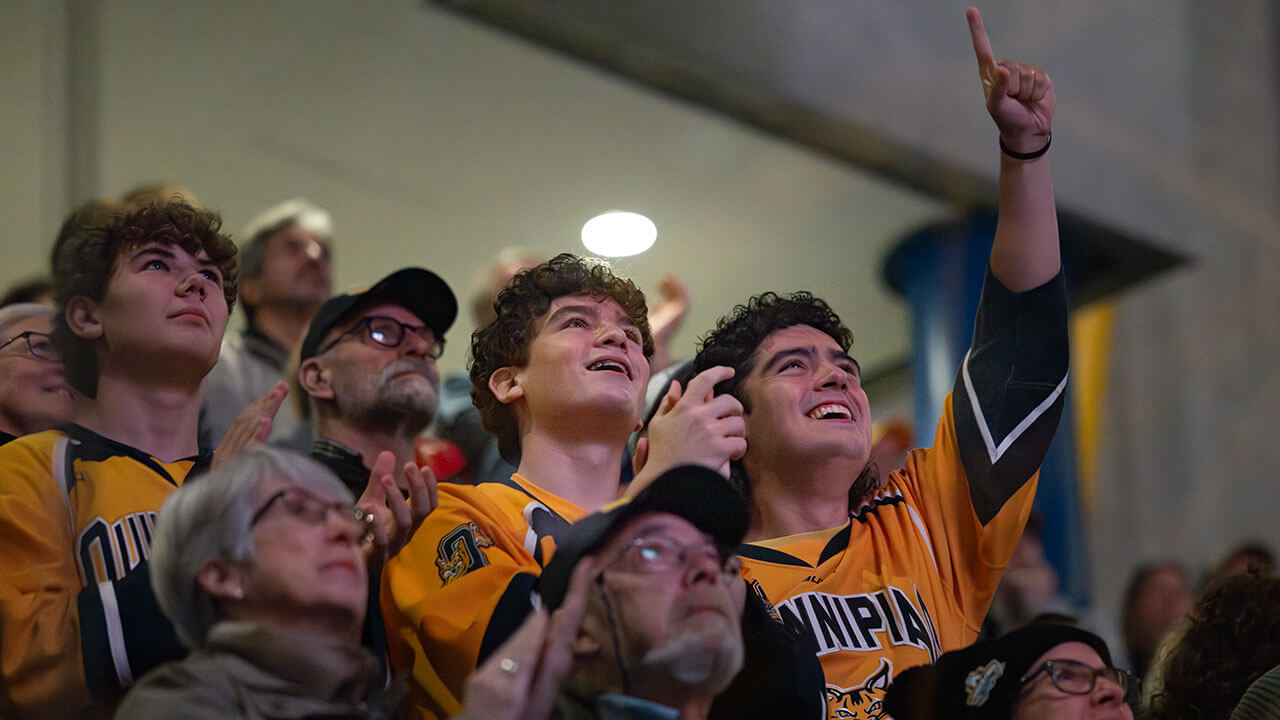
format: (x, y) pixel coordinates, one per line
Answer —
(312, 509)
(1077, 678)
(39, 345)
(389, 333)
(660, 553)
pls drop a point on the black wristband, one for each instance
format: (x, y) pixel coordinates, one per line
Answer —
(1026, 156)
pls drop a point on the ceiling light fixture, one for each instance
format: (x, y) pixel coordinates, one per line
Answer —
(619, 233)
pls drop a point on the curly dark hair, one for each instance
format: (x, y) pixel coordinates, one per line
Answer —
(504, 342)
(1229, 639)
(738, 335)
(91, 242)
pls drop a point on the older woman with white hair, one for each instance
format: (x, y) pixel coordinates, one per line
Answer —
(260, 567)
(33, 394)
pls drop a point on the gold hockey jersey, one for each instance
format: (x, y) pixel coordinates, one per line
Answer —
(78, 620)
(912, 574)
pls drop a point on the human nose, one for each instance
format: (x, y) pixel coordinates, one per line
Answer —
(197, 281)
(416, 343)
(611, 334)
(1107, 689)
(342, 522)
(702, 566)
(421, 343)
(831, 375)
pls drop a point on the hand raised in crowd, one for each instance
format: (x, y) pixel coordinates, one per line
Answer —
(665, 318)
(253, 424)
(1019, 96)
(693, 426)
(395, 519)
(521, 678)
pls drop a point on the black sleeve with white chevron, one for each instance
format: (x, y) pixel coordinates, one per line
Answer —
(1008, 395)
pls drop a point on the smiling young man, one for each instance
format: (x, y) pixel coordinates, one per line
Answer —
(143, 302)
(559, 377)
(889, 575)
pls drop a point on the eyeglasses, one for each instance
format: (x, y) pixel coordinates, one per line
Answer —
(1076, 678)
(39, 344)
(656, 554)
(389, 333)
(314, 510)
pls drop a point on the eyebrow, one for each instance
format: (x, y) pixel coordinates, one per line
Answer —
(161, 250)
(808, 353)
(658, 526)
(165, 252)
(592, 311)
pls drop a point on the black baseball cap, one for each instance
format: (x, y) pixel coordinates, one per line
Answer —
(980, 682)
(419, 291)
(693, 492)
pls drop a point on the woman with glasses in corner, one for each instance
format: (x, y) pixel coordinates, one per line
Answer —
(33, 394)
(1039, 672)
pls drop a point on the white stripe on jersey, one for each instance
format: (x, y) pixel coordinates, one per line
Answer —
(995, 452)
(115, 633)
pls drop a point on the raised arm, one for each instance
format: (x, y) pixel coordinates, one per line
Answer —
(1020, 99)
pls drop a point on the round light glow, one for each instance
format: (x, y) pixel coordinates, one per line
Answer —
(619, 234)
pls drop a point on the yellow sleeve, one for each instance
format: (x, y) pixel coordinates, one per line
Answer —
(40, 657)
(460, 583)
(970, 556)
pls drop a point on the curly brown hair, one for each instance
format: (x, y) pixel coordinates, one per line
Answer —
(504, 342)
(92, 240)
(739, 334)
(1229, 639)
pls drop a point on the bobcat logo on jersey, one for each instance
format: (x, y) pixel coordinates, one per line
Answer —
(864, 702)
(461, 551)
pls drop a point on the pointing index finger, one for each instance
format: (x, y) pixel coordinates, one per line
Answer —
(981, 44)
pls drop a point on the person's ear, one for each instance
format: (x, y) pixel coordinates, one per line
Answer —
(250, 290)
(505, 384)
(585, 643)
(221, 579)
(83, 318)
(316, 379)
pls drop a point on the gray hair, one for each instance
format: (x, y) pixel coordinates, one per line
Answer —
(208, 519)
(13, 314)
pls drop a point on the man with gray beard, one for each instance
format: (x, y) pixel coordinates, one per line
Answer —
(368, 367)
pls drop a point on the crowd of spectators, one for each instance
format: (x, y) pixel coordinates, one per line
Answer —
(178, 540)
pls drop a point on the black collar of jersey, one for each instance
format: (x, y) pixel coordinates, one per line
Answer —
(6, 437)
(838, 542)
(93, 447)
(347, 465)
